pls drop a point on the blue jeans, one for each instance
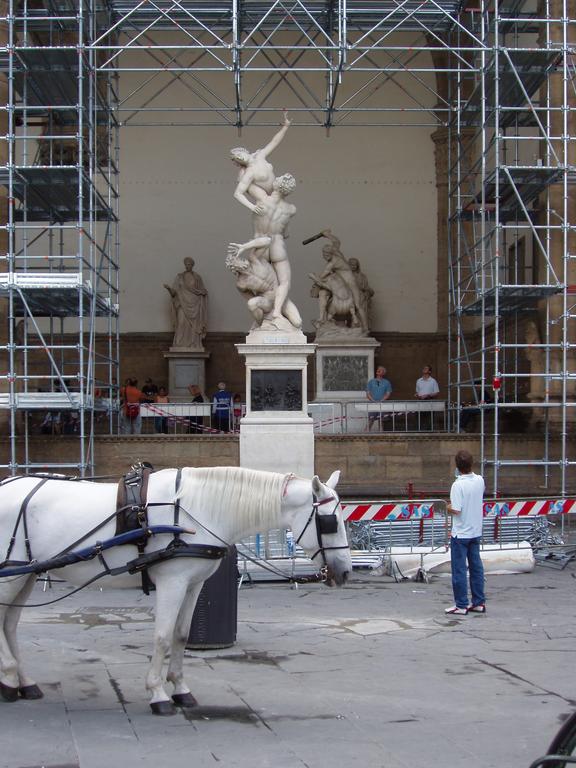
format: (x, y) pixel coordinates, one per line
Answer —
(462, 550)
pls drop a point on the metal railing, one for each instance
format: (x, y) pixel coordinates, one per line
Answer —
(360, 416)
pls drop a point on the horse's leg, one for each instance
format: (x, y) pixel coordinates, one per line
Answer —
(27, 687)
(9, 592)
(182, 696)
(170, 594)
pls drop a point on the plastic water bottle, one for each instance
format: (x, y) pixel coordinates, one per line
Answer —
(290, 543)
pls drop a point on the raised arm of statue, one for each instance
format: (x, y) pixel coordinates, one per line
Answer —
(277, 138)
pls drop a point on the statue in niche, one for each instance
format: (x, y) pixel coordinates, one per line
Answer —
(265, 195)
(189, 308)
(537, 358)
(343, 293)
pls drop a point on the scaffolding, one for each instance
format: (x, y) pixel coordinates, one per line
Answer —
(60, 281)
(492, 81)
(512, 255)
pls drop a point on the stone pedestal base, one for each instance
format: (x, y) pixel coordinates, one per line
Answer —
(276, 434)
(185, 367)
(277, 445)
(343, 368)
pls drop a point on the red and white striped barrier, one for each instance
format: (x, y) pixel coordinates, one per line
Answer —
(393, 510)
(528, 507)
(379, 511)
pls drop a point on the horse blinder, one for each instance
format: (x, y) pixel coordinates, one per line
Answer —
(327, 523)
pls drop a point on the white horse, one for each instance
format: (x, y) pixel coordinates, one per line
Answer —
(217, 505)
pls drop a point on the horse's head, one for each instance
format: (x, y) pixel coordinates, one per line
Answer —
(313, 513)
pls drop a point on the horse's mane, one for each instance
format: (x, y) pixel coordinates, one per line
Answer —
(221, 492)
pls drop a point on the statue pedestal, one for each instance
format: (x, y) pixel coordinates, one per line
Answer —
(343, 367)
(185, 367)
(276, 434)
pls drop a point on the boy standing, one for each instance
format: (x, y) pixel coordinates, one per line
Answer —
(466, 497)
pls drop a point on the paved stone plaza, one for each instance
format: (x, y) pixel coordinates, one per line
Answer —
(370, 675)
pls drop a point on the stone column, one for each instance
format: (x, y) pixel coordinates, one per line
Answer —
(440, 139)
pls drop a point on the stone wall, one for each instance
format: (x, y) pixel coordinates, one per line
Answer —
(372, 465)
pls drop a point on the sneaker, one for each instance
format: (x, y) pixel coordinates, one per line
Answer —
(456, 610)
(480, 608)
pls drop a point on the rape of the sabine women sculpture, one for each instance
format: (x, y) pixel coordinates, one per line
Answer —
(343, 293)
(261, 264)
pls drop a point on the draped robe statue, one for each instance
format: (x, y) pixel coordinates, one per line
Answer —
(189, 308)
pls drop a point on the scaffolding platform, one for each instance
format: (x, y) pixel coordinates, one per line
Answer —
(51, 193)
(518, 187)
(51, 401)
(47, 77)
(528, 71)
(53, 294)
(360, 15)
(510, 299)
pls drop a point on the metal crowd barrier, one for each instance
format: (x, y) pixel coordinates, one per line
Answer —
(374, 527)
(360, 416)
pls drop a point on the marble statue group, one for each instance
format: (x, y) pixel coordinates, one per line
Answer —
(262, 269)
(343, 292)
(261, 265)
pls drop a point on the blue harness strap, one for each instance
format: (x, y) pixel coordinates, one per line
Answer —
(176, 548)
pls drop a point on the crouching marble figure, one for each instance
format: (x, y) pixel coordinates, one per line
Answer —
(263, 276)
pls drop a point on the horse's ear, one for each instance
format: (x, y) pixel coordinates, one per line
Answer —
(316, 485)
(332, 481)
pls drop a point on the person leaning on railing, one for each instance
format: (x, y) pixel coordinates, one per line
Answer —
(427, 387)
(378, 389)
(196, 423)
(161, 422)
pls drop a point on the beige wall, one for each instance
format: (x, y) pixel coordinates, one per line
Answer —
(375, 187)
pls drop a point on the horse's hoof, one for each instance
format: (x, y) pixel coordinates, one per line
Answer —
(30, 692)
(163, 708)
(184, 700)
(8, 693)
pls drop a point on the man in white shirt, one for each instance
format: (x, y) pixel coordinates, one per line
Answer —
(427, 387)
(466, 508)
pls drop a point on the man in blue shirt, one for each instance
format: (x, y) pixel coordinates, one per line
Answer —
(378, 389)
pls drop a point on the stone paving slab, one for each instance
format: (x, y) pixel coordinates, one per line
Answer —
(372, 675)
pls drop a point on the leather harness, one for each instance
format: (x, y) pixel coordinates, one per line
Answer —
(132, 527)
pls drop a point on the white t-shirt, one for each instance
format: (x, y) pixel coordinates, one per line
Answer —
(466, 496)
(427, 386)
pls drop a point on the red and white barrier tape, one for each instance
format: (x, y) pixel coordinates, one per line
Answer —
(409, 510)
(422, 510)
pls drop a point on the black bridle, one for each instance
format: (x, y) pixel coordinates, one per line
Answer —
(325, 525)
